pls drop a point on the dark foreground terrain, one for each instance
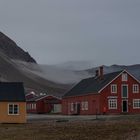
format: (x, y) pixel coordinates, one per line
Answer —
(125, 128)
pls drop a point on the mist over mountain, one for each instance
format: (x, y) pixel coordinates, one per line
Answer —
(53, 73)
(18, 66)
(71, 76)
(76, 65)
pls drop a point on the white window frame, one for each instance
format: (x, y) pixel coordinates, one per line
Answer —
(114, 88)
(136, 102)
(111, 102)
(84, 105)
(124, 76)
(135, 88)
(13, 105)
(34, 106)
(71, 106)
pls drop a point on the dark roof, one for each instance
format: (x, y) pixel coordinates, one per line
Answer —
(12, 91)
(36, 98)
(41, 97)
(91, 85)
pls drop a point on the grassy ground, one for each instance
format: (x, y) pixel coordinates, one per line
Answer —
(87, 130)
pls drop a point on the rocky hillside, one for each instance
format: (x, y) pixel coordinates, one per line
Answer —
(10, 48)
(10, 53)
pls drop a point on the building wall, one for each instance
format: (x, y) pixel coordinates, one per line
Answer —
(93, 104)
(36, 107)
(106, 95)
(98, 103)
(57, 108)
(31, 107)
(5, 118)
(41, 106)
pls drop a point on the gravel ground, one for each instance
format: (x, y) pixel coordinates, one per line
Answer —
(45, 117)
(59, 127)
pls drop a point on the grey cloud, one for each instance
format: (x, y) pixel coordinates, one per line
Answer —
(53, 31)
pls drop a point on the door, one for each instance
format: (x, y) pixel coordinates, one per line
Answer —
(76, 108)
(57, 108)
(124, 106)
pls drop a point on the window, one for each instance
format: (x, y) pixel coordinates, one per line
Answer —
(34, 106)
(72, 107)
(124, 91)
(28, 106)
(135, 88)
(124, 77)
(84, 105)
(136, 103)
(112, 103)
(113, 88)
(13, 109)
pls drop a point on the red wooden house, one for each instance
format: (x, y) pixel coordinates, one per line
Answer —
(112, 93)
(44, 104)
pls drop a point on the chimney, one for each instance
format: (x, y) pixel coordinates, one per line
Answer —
(96, 73)
(101, 72)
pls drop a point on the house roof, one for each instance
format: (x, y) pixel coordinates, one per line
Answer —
(36, 98)
(91, 85)
(12, 91)
(41, 97)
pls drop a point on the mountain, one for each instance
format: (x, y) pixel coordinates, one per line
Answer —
(62, 75)
(10, 70)
(18, 66)
(53, 73)
(133, 69)
(76, 65)
(10, 49)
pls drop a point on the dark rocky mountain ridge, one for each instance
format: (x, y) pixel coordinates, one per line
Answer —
(10, 48)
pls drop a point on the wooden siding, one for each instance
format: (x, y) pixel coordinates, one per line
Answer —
(93, 104)
(5, 118)
(106, 93)
(42, 105)
(98, 103)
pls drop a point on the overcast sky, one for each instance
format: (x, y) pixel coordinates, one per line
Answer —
(54, 31)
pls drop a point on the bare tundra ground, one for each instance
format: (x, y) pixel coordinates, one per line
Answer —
(103, 128)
